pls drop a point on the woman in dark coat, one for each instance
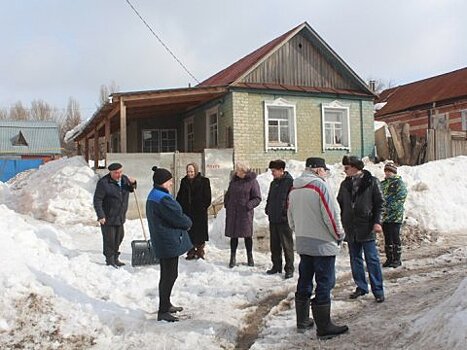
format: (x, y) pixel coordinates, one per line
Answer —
(168, 228)
(194, 196)
(240, 200)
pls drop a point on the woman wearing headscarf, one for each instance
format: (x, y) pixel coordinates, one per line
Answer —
(168, 228)
(240, 200)
(194, 196)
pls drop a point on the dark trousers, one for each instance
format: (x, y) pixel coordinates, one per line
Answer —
(169, 274)
(392, 235)
(248, 244)
(281, 239)
(112, 237)
(322, 268)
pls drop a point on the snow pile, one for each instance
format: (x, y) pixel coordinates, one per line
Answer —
(445, 325)
(430, 190)
(59, 191)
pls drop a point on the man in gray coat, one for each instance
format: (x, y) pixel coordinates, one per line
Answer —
(314, 217)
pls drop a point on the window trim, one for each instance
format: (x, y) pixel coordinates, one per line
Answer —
(187, 121)
(335, 106)
(210, 111)
(160, 139)
(280, 102)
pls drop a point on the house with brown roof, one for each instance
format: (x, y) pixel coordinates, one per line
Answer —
(292, 98)
(438, 103)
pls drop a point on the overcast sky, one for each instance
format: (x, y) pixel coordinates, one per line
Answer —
(53, 49)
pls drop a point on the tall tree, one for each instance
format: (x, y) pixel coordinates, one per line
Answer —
(105, 91)
(71, 120)
(18, 112)
(42, 111)
(3, 113)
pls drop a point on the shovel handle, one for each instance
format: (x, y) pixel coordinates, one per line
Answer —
(140, 216)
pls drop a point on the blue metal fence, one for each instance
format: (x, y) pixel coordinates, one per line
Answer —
(11, 167)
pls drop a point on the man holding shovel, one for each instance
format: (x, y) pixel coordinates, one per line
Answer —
(111, 205)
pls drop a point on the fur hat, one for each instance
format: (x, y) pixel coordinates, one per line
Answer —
(114, 166)
(160, 175)
(353, 161)
(391, 167)
(277, 164)
(315, 162)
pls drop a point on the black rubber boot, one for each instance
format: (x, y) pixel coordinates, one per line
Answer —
(250, 260)
(388, 249)
(396, 253)
(110, 261)
(302, 310)
(166, 316)
(117, 261)
(233, 261)
(325, 329)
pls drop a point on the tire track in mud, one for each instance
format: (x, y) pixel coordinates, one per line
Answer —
(430, 279)
(254, 321)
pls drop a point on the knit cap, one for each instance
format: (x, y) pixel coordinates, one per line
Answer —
(160, 175)
(391, 167)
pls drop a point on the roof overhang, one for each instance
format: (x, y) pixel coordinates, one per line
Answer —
(148, 104)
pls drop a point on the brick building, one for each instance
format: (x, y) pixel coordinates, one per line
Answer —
(291, 98)
(438, 102)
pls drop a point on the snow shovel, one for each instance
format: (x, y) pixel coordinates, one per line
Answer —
(142, 252)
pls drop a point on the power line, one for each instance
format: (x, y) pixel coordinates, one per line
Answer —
(162, 43)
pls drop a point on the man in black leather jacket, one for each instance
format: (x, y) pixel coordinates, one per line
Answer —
(361, 202)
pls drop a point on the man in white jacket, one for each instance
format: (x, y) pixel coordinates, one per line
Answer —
(313, 215)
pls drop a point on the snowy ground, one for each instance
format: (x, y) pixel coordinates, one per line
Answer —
(56, 292)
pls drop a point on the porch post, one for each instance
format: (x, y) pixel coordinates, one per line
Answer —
(96, 149)
(123, 136)
(107, 139)
(86, 149)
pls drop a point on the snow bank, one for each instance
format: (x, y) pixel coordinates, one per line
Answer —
(59, 191)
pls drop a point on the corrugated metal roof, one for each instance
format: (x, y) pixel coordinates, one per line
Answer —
(42, 137)
(441, 88)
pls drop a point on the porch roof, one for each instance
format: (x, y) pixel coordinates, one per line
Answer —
(148, 103)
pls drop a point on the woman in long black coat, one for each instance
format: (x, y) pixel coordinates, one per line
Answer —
(240, 200)
(194, 196)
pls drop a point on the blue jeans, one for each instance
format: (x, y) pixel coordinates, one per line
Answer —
(372, 264)
(323, 269)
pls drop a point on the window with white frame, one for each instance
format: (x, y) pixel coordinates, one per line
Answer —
(464, 119)
(159, 140)
(280, 125)
(212, 127)
(189, 134)
(336, 130)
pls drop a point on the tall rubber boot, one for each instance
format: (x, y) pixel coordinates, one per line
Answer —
(325, 329)
(250, 260)
(388, 249)
(397, 251)
(302, 310)
(233, 261)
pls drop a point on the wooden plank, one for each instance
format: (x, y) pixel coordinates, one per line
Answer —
(414, 159)
(381, 142)
(430, 145)
(396, 139)
(406, 143)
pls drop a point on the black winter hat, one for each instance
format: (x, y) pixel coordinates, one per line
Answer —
(277, 164)
(114, 166)
(160, 175)
(315, 162)
(354, 161)
(391, 167)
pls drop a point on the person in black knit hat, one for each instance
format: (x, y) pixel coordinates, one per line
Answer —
(168, 227)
